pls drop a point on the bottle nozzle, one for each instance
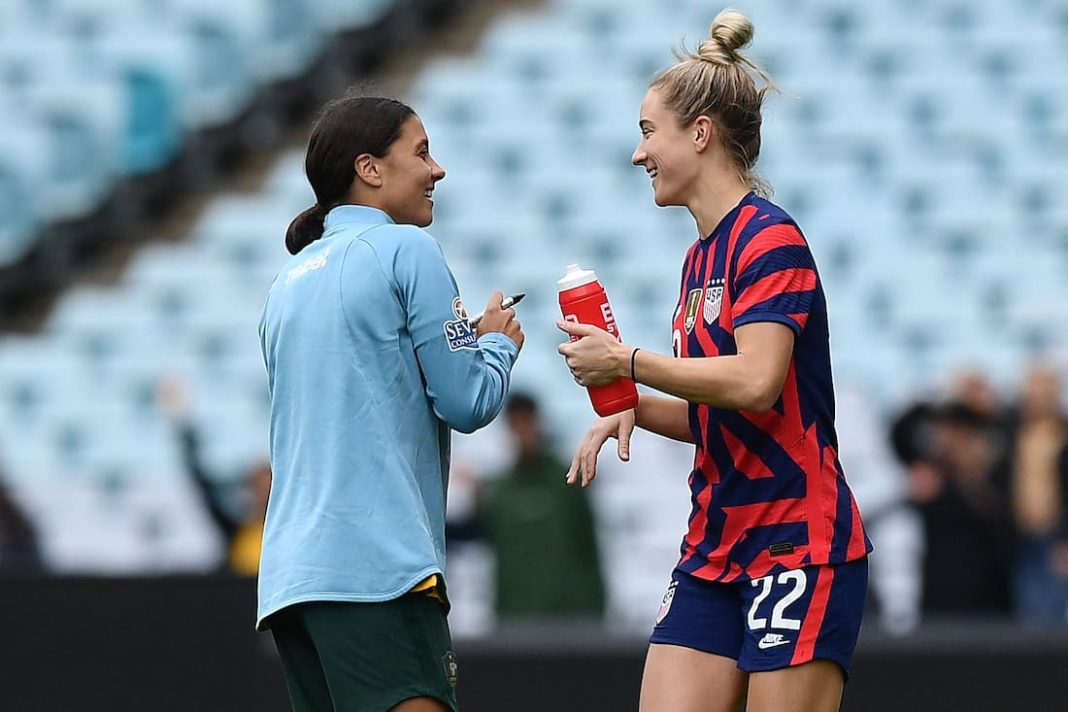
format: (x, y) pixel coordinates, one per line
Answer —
(575, 276)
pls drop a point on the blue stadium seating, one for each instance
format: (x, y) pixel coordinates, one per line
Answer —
(922, 147)
(113, 88)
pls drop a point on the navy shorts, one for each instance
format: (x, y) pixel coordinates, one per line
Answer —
(785, 619)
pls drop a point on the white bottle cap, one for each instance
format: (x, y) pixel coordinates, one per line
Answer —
(575, 277)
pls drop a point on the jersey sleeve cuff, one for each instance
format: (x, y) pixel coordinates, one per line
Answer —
(497, 343)
(756, 317)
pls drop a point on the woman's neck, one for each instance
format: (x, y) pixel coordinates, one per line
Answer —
(717, 194)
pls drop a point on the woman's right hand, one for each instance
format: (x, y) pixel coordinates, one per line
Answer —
(499, 320)
(584, 463)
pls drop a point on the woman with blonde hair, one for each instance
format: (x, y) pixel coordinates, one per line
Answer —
(766, 601)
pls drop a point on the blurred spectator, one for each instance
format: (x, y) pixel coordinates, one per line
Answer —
(19, 550)
(242, 531)
(881, 491)
(461, 510)
(912, 435)
(952, 455)
(1039, 488)
(541, 531)
(475, 457)
(975, 391)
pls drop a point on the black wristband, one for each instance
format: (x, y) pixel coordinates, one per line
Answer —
(632, 355)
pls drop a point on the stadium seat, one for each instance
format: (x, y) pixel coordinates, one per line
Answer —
(20, 179)
(920, 156)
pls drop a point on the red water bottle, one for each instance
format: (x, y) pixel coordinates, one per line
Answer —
(583, 301)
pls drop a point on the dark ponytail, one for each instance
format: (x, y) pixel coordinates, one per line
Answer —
(345, 129)
(305, 229)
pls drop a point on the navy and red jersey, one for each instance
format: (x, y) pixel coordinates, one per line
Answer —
(767, 489)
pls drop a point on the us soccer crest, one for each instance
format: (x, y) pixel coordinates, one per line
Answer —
(713, 300)
(458, 332)
(665, 605)
(693, 303)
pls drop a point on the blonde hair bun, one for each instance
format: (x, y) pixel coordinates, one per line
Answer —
(720, 82)
(730, 32)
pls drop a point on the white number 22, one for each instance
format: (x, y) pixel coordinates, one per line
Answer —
(778, 620)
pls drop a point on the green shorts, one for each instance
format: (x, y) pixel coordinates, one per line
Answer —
(365, 657)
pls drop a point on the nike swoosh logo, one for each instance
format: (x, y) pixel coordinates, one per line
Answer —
(764, 646)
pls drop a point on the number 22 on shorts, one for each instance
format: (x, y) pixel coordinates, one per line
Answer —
(778, 617)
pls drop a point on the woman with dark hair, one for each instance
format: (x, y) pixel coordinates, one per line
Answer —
(371, 363)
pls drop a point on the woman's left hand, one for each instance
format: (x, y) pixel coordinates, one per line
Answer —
(597, 358)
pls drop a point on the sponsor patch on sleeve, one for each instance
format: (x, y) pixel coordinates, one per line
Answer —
(458, 332)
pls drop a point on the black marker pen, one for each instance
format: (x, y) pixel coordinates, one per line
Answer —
(508, 302)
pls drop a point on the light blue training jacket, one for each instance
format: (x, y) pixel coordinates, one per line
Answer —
(370, 365)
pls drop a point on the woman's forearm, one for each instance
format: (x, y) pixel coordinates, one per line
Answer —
(664, 416)
(720, 381)
(750, 380)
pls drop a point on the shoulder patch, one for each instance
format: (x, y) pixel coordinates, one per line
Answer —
(458, 332)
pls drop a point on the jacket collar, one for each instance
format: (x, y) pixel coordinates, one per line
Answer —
(361, 215)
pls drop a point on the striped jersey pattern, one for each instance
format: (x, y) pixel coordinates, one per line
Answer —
(767, 489)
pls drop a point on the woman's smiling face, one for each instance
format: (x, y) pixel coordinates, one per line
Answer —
(666, 152)
(409, 174)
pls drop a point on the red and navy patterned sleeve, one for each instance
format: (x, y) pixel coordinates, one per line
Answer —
(775, 279)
